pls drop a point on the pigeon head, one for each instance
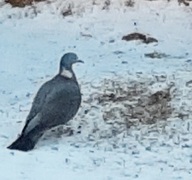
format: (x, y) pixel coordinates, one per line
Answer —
(68, 60)
(66, 63)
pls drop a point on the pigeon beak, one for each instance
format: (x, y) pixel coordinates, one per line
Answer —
(80, 61)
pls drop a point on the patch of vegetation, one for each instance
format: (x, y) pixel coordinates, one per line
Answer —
(107, 3)
(67, 12)
(185, 2)
(156, 55)
(138, 36)
(129, 3)
(21, 3)
(132, 102)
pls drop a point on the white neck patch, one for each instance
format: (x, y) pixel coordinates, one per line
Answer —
(66, 73)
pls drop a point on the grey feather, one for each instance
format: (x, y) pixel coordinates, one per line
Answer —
(56, 102)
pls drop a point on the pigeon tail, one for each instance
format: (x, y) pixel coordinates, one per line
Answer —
(24, 143)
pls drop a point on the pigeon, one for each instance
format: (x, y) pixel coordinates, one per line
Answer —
(56, 102)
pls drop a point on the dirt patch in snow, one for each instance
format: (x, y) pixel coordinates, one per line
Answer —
(132, 102)
(138, 36)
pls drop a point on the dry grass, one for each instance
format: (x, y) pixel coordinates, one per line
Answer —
(21, 3)
(132, 102)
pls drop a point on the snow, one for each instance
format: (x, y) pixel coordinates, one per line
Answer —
(32, 42)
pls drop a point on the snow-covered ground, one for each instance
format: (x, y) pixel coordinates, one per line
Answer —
(32, 40)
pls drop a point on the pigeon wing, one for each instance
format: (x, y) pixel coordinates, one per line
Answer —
(55, 103)
(39, 100)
